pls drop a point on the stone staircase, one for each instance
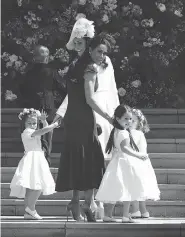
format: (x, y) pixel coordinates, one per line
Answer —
(166, 147)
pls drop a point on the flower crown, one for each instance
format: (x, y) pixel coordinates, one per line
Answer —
(29, 112)
(139, 114)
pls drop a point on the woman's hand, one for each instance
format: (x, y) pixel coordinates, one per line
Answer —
(143, 156)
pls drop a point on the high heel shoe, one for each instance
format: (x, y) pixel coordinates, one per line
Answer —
(88, 213)
(74, 209)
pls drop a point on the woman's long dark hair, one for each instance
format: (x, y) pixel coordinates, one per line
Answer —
(119, 112)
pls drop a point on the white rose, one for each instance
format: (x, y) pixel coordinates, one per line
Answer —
(80, 15)
(136, 54)
(136, 83)
(82, 2)
(18, 64)
(161, 7)
(13, 58)
(96, 2)
(9, 64)
(105, 18)
(10, 96)
(178, 13)
(151, 22)
(121, 91)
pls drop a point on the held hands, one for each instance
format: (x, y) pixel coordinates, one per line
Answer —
(144, 157)
(57, 123)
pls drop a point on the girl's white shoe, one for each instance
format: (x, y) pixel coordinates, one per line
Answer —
(97, 210)
(127, 220)
(138, 214)
(145, 215)
(109, 219)
(31, 215)
(99, 213)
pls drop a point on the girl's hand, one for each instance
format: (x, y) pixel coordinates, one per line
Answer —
(144, 157)
(43, 116)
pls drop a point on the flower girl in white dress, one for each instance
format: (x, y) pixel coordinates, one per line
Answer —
(33, 176)
(124, 179)
(138, 128)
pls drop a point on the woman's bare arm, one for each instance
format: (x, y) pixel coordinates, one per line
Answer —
(90, 80)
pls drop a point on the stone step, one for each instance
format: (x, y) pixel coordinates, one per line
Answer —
(15, 207)
(52, 226)
(154, 116)
(168, 192)
(159, 160)
(164, 176)
(154, 145)
(9, 130)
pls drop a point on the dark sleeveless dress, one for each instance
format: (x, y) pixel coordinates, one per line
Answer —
(82, 161)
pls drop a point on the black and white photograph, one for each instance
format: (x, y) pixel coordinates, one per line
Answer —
(92, 118)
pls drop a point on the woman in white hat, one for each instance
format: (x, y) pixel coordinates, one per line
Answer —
(106, 93)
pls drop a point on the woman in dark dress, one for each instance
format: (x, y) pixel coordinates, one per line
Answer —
(82, 161)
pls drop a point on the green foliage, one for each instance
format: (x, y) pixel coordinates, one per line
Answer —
(148, 56)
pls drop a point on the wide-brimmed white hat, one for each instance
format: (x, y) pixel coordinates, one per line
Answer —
(82, 28)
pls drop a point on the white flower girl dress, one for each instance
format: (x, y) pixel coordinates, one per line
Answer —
(33, 170)
(126, 177)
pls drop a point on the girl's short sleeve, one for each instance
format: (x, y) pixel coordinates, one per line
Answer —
(27, 133)
(122, 135)
(91, 68)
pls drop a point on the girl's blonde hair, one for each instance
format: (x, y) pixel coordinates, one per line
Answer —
(142, 121)
(27, 113)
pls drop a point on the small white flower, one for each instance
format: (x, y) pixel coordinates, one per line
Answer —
(51, 57)
(136, 83)
(105, 18)
(10, 96)
(96, 2)
(82, 2)
(151, 22)
(33, 15)
(13, 58)
(121, 91)
(29, 40)
(9, 64)
(18, 41)
(80, 15)
(26, 17)
(178, 13)
(145, 44)
(29, 22)
(19, 2)
(25, 111)
(5, 74)
(39, 19)
(30, 12)
(161, 7)
(18, 64)
(136, 54)
(40, 36)
(40, 7)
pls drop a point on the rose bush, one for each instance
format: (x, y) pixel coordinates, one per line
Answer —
(148, 56)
